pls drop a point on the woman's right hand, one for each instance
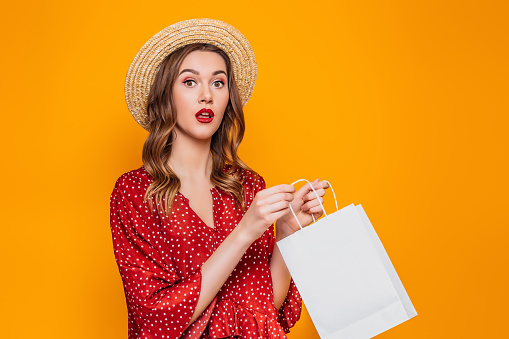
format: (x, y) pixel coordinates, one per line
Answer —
(267, 206)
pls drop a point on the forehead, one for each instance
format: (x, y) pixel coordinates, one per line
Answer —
(203, 62)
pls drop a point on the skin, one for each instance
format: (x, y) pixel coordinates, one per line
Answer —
(191, 161)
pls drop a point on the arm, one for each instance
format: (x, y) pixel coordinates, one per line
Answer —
(218, 267)
(157, 297)
(153, 289)
(280, 277)
(267, 206)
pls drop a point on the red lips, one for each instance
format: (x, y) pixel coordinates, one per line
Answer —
(205, 115)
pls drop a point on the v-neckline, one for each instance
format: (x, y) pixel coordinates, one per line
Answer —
(196, 214)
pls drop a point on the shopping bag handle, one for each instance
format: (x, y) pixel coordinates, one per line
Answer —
(323, 209)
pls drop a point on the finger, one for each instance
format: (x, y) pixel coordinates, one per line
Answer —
(319, 187)
(310, 204)
(283, 188)
(305, 189)
(275, 207)
(325, 184)
(277, 197)
(316, 211)
(322, 184)
(312, 196)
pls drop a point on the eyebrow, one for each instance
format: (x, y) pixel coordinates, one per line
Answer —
(198, 73)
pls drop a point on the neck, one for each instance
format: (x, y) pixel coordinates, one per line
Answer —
(190, 159)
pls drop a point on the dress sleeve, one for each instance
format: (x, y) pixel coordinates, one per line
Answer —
(160, 302)
(290, 310)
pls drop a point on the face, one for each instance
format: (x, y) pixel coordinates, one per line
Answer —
(202, 83)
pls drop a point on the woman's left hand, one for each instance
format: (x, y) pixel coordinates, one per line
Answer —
(305, 205)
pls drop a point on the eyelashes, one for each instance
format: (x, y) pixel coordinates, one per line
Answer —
(188, 83)
(219, 82)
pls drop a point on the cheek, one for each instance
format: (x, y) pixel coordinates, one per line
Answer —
(182, 104)
(225, 99)
(224, 104)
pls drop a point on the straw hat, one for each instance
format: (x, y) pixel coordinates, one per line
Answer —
(145, 64)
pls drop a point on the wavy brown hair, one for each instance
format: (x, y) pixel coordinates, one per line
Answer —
(162, 118)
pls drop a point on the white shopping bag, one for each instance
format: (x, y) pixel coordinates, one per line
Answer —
(344, 275)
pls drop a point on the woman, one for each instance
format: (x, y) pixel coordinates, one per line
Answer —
(191, 228)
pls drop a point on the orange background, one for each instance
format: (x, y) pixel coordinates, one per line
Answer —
(401, 105)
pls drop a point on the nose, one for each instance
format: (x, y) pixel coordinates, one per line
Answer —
(206, 94)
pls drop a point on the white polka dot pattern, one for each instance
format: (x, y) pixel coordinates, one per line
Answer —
(159, 259)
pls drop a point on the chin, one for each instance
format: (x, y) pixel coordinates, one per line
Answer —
(203, 136)
(197, 132)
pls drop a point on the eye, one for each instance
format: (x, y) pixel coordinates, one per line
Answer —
(188, 82)
(218, 84)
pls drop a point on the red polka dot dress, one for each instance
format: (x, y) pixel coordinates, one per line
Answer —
(160, 257)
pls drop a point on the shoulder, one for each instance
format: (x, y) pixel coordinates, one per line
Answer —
(254, 181)
(249, 178)
(135, 181)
